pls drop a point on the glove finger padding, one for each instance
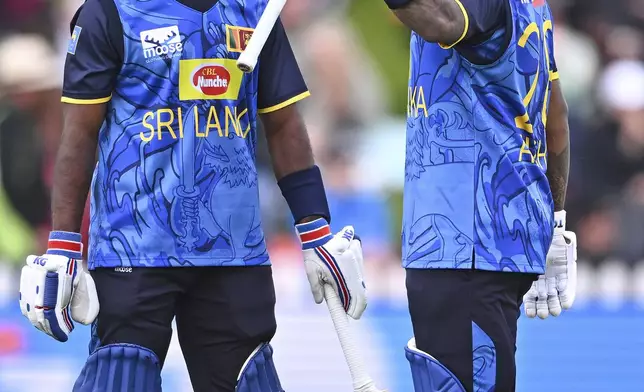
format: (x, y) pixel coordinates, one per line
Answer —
(542, 297)
(57, 298)
(554, 307)
(33, 285)
(31, 281)
(316, 281)
(530, 301)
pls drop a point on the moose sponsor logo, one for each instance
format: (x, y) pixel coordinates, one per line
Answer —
(161, 43)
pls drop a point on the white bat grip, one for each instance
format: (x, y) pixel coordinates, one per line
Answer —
(248, 59)
(361, 380)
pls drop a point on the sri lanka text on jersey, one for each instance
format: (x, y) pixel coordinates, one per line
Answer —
(212, 87)
(175, 122)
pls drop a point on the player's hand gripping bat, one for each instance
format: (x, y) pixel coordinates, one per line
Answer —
(248, 59)
(362, 382)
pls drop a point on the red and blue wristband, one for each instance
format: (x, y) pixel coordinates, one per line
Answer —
(66, 244)
(314, 234)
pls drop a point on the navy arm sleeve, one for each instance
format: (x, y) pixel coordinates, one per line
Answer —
(485, 17)
(280, 81)
(488, 30)
(94, 53)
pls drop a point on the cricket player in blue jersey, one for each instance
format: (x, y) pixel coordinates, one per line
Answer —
(175, 226)
(485, 181)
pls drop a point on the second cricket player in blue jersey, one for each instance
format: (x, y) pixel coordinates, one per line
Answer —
(485, 181)
(157, 110)
(476, 191)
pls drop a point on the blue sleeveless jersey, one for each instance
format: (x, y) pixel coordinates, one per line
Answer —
(176, 183)
(476, 192)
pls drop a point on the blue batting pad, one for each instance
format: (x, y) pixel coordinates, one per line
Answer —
(484, 360)
(94, 342)
(428, 374)
(120, 368)
(258, 373)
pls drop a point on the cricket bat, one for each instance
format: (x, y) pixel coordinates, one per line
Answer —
(362, 382)
(248, 58)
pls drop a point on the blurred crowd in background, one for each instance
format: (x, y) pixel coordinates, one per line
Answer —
(354, 56)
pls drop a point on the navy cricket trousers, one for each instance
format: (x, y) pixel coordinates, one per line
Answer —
(222, 315)
(467, 320)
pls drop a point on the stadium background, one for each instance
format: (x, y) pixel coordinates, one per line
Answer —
(354, 57)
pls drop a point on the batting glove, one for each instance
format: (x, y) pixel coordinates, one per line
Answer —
(335, 260)
(556, 289)
(55, 289)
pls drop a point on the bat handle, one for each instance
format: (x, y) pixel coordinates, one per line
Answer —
(248, 59)
(361, 380)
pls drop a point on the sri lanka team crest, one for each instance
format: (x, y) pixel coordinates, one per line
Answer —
(209, 79)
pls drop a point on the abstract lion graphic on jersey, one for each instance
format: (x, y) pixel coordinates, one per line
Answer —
(465, 164)
(442, 139)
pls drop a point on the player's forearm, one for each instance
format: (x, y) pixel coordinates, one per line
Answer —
(291, 152)
(442, 21)
(558, 139)
(558, 168)
(72, 176)
(288, 145)
(297, 176)
(73, 172)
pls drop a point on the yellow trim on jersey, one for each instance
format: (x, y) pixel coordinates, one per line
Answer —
(77, 101)
(466, 28)
(554, 76)
(284, 104)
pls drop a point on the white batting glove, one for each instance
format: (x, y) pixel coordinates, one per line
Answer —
(556, 289)
(335, 260)
(55, 289)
